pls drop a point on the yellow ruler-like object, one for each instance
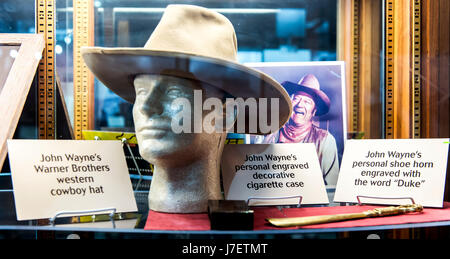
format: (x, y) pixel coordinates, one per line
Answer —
(109, 135)
(402, 69)
(355, 65)
(45, 24)
(83, 80)
(389, 68)
(416, 26)
(234, 141)
(130, 138)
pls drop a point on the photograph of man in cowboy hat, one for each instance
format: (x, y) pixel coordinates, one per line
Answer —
(192, 49)
(309, 101)
(314, 114)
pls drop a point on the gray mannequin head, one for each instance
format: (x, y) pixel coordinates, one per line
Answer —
(187, 163)
(192, 48)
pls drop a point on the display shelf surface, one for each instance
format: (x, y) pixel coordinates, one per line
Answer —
(130, 228)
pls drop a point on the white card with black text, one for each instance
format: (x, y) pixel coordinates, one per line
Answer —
(53, 176)
(393, 171)
(267, 174)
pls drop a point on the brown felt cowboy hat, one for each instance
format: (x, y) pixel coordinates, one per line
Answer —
(191, 42)
(310, 85)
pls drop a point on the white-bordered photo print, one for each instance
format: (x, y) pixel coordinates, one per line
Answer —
(317, 92)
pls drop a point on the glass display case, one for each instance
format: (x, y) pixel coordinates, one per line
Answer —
(267, 32)
(396, 77)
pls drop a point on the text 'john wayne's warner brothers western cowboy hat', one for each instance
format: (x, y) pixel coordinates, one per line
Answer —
(190, 42)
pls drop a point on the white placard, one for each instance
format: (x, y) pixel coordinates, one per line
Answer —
(393, 168)
(260, 171)
(51, 176)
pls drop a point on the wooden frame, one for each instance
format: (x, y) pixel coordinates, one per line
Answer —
(435, 73)
(415, 64)
(359, 45)
(18, 82)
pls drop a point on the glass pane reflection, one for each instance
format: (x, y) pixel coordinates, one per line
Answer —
(266, 32)
(7, 57)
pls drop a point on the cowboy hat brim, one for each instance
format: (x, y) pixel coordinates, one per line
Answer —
(117, 68)
(320, 98)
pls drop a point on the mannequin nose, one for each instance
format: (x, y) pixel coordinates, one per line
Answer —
(152, 104)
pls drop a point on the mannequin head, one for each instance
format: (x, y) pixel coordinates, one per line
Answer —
(186, 163)
(188, 42)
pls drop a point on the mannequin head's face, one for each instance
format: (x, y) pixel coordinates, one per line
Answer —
(153, 112)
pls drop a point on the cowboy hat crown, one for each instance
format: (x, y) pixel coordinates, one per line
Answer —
(199, 31)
